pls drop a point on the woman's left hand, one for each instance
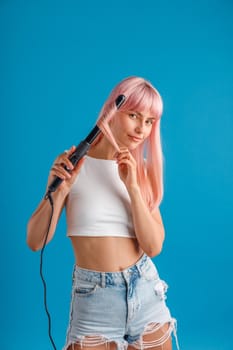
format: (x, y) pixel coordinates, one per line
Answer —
(127, 168)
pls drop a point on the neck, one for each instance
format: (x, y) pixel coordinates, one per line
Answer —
(102, 150)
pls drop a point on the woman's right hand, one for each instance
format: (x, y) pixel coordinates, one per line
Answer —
(58, 170)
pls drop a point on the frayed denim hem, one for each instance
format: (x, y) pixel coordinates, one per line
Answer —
(92, 341)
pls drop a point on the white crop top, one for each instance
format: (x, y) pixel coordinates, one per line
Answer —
(98, 203)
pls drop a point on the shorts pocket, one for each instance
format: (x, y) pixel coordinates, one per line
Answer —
(84, 288)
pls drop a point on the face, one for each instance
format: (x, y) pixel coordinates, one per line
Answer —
(131, 128)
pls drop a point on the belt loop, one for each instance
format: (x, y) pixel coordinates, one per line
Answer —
(73, 273)
(103, 282)
(141, 263)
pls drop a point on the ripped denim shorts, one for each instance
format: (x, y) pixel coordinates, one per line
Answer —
(119, 307)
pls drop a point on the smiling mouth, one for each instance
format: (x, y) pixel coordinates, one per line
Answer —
(135, 139)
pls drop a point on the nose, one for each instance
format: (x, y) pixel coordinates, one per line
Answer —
(139, 128)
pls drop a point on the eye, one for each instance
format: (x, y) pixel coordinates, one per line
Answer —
(132, 115)
(149, 121)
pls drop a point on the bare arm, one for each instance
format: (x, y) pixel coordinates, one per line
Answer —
(38, 223)
(148, 226)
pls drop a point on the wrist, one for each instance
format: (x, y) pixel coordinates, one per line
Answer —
(60, 193)
(134, 190)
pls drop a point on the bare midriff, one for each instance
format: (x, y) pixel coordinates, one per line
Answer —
(106, 254)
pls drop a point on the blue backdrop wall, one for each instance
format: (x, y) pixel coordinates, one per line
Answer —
(59, 60)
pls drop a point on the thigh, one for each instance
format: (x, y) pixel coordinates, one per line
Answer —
(106, 346)
(155, 337)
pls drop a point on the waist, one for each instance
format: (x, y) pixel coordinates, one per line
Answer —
(105, 253)
(142, 267)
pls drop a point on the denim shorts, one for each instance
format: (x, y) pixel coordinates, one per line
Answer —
(119, 307)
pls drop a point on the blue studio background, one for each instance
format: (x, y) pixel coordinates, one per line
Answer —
(59, 60)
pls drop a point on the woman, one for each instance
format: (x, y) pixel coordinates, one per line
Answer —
(112, 202)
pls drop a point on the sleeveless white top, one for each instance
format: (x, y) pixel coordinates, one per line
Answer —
(98, 204)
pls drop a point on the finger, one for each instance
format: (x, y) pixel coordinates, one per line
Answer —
(64, 158)
(65, 162)
(60, 171)
(60, 174)
(122, 149)
(70, 151)
(124, 161)
(128, 161)
(56, 173)
(123, 152)
(125, 155)
(67, 153)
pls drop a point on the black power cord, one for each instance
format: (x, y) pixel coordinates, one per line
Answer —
(79, 152)
(42, 276)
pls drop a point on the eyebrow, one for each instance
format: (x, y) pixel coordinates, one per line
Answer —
(141, 115)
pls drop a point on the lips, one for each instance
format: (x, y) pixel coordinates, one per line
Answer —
(135, 138)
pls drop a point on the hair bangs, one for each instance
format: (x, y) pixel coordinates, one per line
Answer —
(144, 99)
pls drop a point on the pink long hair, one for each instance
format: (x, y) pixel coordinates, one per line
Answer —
(141, 96)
